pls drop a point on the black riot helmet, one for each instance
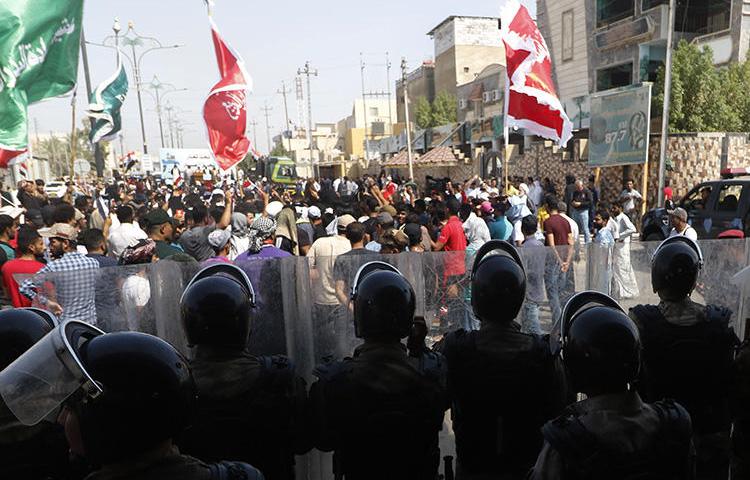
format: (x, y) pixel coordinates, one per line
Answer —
(601, 347)
(675, 267)
(498, 282)
(20, 329)
(384, 302)
(147, 395)
(129, 391)
(216, 307)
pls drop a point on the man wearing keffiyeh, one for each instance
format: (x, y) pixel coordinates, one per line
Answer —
(261, 237)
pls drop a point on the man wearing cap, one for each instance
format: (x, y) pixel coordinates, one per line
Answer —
(161, 231)
(73, 277)
(679, 218)
(316, 220)
(220, 241)
(322, 256)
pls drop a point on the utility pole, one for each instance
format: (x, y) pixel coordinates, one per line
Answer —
(169, 108)
(665, 111)
(161, 90)
(267, 111)
(283, 93)
(388, 79)
(364, 106)
(307, 71)
(254, 124)
(300, 94)
(404, 80)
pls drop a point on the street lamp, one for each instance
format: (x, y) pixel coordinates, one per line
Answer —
(161, 90)
(145, 44)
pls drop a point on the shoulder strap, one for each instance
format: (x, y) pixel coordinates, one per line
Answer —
(329, 370)
(277, 372)
(568, 436)
(234, 471)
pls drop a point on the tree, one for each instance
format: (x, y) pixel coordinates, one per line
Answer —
(423, 114)
(699, 100)
(444, 109)
(280, 151)
(735, 85)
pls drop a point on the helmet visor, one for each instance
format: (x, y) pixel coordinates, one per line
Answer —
(41, 379)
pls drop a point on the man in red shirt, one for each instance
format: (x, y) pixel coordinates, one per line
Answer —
(453, 240)
(389, 189)
(30, 245)
(558, 236)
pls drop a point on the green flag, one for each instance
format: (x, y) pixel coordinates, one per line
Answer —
(105, 104)
(39, 45)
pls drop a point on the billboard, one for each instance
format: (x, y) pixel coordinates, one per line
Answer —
(619, 130)
(184, 157)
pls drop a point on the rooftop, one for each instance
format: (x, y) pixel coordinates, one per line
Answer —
(454, 17)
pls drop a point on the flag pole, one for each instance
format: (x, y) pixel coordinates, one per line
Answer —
(73, 139)
(506, 134)
(665, 111)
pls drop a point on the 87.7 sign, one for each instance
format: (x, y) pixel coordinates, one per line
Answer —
(619, 128)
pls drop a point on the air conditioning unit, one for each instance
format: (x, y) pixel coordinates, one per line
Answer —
(487, 97)
(496, 95)
(462, 103)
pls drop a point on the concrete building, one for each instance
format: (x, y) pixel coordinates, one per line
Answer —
(483, 97)
(324, 146)
(464, 46)
(380, 122)
(597, 45)
(421, 85)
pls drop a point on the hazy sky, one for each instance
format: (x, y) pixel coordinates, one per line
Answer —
(275, 38)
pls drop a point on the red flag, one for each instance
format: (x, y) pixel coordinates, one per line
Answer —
(531, 101)
(6, 156)
(225, 110)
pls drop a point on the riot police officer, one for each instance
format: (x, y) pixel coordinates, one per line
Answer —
(612, 433)
(688, 350)
(379, 411)
(249, 408)
(125, 397)
(501, 381)
(38, 452)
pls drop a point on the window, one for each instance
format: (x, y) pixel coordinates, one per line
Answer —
(729, 198)
(697, 199)
(698, 17)
(608, 11)
(614, 77)
(567, 35)
(466, 69)
(373, 111)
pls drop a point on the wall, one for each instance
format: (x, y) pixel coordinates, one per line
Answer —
(695, 157)
(571, 75)
(421, 85)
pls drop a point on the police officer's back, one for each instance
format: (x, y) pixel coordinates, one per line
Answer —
(501, 381)
(125, 397)
(378, 411)
(688, 350)
(29, 452)
(611, 434)
(249, 408)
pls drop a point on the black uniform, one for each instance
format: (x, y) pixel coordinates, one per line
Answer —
(501, 385)
(688, 351)
(616, 436)
(381, 410)
(500, 381)
(174, 466)
(612, 434)
(380, 414)
(250, 409)
(38, 452)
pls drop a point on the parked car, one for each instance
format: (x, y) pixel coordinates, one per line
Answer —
(713, 207)
(55, 189)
